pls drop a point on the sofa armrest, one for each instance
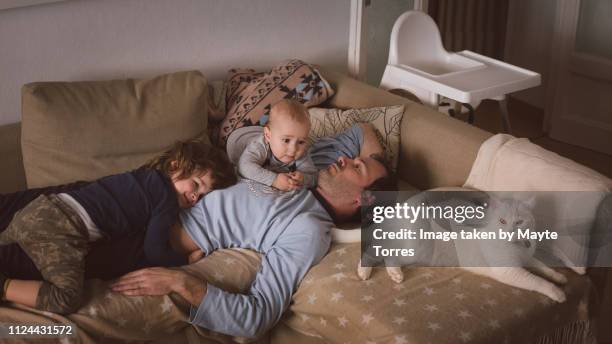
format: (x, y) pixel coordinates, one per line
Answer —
(12, 175)
(436, 150)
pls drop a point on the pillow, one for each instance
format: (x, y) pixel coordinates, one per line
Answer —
(386, 121)
(250, 95)
(85, 130)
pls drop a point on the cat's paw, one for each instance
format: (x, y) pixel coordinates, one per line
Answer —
(559, 278)
(396, 274)
(363, 272)
(580, 270)
(556, 294)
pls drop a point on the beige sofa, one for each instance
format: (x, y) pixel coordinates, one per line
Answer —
(436, 151)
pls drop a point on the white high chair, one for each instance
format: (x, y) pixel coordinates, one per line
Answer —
(419, 63)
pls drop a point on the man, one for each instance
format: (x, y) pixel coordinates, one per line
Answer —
(291, 229)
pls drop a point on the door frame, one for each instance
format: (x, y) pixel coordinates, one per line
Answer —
(357, 48)
(560, 123)
(566, 21)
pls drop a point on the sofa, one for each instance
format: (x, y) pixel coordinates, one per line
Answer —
(441, 305)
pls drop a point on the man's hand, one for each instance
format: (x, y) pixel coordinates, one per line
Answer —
(150, 281)
(161, 281)
(284, 182)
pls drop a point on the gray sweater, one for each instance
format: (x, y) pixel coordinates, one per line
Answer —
(291, 229)
(256, 161)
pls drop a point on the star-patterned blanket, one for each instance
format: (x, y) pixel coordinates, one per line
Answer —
(108, 317)
(432, 305)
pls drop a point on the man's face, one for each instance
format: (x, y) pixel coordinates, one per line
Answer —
(349, 177)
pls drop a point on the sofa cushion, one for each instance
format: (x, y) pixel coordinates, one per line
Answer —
(12, 177)
(250, 95)
(86, 130)
(386, 121)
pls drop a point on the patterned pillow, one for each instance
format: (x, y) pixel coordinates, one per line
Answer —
(386, 120)
(250, 95)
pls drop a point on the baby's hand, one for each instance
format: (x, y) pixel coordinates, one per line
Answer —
(195, 256)
(284, 182)
(298, 177)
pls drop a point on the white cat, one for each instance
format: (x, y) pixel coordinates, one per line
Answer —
(506, 261)
(501, 260)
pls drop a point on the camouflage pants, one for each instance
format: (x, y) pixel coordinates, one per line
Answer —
(55, 238)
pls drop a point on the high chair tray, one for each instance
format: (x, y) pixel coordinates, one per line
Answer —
(467, 77)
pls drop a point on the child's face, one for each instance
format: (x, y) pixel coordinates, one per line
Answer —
(191, 189)
(287, 139)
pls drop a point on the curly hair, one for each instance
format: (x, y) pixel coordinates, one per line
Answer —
(188, 157)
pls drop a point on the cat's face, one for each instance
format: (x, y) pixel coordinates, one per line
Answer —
(509, 215)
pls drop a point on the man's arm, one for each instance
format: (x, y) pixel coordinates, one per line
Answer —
(370, 143)
(161, 281)
(304, 242)
(357, 140)
(302, 245)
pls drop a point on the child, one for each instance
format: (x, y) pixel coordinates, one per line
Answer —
(55, 230)
(279, 157)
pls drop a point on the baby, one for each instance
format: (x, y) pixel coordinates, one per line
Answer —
(278, 157)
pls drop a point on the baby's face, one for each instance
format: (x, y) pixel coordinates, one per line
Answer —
(288, 139)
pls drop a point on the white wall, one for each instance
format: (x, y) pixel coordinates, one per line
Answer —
(91, 40)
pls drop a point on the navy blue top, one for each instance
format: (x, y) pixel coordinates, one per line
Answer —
(102, 260)
(140, 200)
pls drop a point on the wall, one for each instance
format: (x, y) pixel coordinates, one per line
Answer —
(80, 40)
(529, 43)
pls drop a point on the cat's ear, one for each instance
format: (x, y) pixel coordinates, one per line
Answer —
(530, 201)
